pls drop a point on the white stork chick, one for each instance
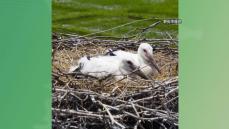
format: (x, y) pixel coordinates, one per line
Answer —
(144, 58)
(103, 66)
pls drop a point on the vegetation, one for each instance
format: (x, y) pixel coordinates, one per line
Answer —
(89, 16)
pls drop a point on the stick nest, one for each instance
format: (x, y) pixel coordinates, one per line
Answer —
(83, 102)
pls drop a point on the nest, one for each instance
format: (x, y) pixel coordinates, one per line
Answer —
(84, 102)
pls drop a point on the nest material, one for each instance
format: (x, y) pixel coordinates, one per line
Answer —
(83, 102)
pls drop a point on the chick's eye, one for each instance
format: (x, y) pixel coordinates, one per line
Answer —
(129, 62)
(144, 50)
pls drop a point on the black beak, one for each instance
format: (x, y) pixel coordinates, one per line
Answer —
(152, 63)
(140, 74)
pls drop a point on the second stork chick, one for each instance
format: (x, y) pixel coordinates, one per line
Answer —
(143, 58)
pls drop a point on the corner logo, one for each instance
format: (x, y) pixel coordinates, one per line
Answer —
(172, 21)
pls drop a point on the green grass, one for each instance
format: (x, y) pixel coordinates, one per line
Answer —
(88, 16)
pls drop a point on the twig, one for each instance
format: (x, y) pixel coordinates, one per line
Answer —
(111, 117)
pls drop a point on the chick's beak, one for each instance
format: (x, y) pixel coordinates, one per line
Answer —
(152, 63)
(141, 74)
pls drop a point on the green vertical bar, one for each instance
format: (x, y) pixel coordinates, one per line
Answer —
(204, 64)
(25, 67)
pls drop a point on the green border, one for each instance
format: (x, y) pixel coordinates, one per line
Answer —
(25, 68)
(204, 64)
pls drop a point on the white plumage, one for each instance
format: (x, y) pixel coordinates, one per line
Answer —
(143, 58)
(103, 66)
